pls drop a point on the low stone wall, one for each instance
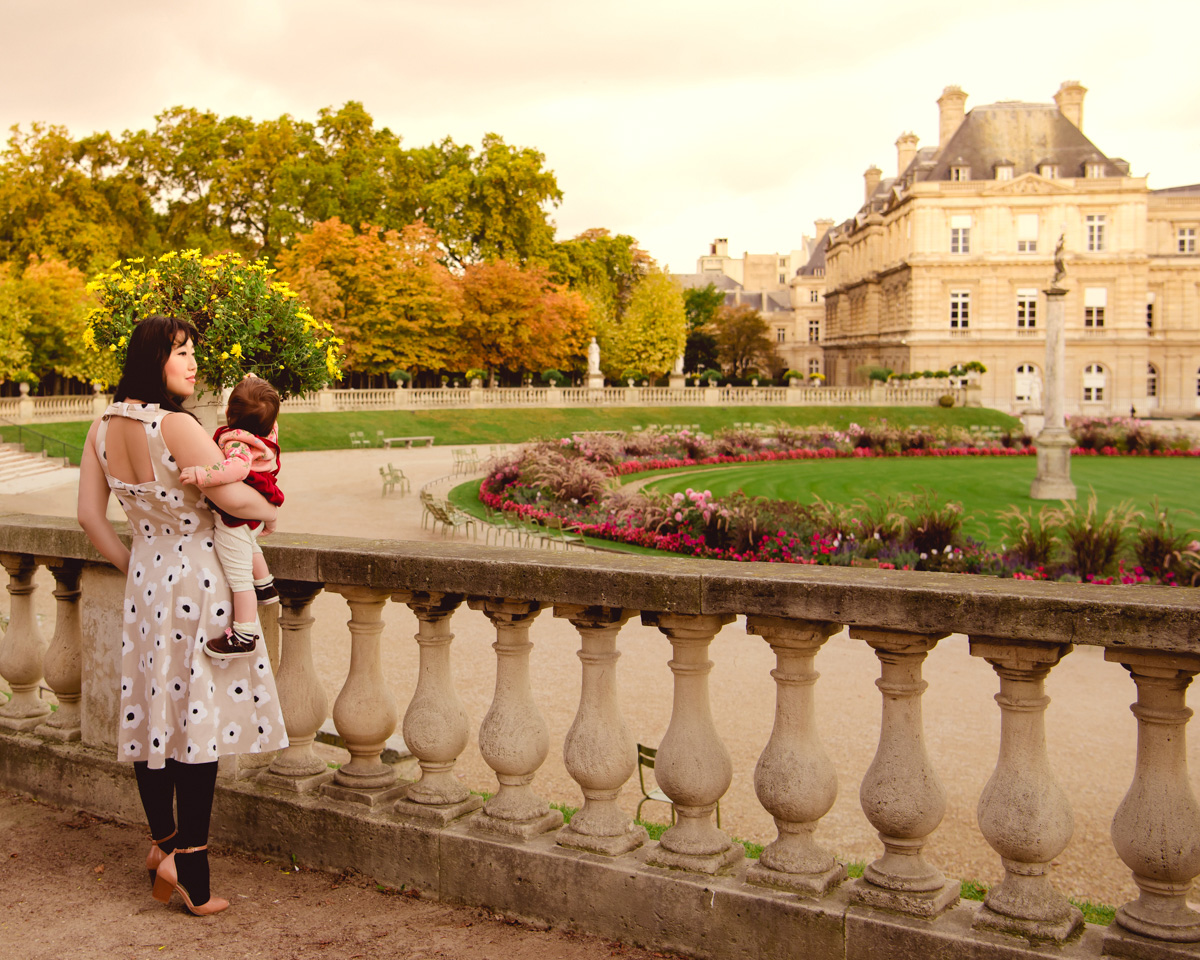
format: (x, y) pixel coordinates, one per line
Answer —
(693, 890)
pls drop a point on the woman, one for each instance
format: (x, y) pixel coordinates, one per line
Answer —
(180, 710)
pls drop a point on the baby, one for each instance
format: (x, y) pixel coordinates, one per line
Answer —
(251, 448)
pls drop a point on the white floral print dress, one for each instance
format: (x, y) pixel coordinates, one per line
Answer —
(176, 703)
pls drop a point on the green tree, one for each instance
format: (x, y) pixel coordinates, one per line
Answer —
(701, 305)
(651, 333)
(742, 339)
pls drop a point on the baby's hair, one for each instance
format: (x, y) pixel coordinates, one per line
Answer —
(253, 406)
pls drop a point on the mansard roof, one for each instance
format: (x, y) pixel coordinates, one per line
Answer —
(1025, 135)
(1188, 190)
(816, 262)
(721, 281)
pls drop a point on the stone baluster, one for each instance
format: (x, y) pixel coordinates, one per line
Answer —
(693, 766)
(365, 710)
(900, 793)
(795, 780)
(435, 723)
(513, 739)
(22, 650)
(1023, 813)
(301, 695)
(63, 664)
(1156, 830)
(599, 752)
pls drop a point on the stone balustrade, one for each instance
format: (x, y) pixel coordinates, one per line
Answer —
(692, 890)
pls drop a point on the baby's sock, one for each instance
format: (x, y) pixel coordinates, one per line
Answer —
(248, 632)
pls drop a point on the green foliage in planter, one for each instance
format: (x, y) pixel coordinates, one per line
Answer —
(400, 376)
(793, 375)
(476, 374)
(711, 375)
(879, 374)
(552, 377)
(247, 321)
(631, 373)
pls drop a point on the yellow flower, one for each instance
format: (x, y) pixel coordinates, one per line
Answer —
(94, 286)
(122, 342)
(169, 255)
(89, 338)
(224, 355)
(114, 265)
(236, 349)
(137, 260)
(112, 348)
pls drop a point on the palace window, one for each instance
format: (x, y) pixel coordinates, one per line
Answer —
(1095, 302)
(960, 233)
(780, 335)
(814, 365)
(783, 278)
(1027, 309)
(1095, 224)
(1150, 298)
(1187, 239)
(1025, 382)
(814, 296)
(814, 331)
(960, 309)
(1151, 380)
(1094, 382)
(1004, 171)
(1027, 232)
(783, 261)
(1093, 171)
(960, 173)
(1049, 171)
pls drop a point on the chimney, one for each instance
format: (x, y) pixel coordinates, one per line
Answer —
(906, 151)
(1070, 101)
(871, 180)
(720, 247)
(951, 108)
(822, 228)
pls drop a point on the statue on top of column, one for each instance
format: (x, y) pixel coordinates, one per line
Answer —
(1060, 270)
(593, 356)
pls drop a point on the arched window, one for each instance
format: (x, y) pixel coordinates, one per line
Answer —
(1027, 383)
(1151, 380)
(1095, 379)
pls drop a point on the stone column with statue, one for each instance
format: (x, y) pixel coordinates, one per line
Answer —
(675, 380)
(595, 379)
(1054, 443)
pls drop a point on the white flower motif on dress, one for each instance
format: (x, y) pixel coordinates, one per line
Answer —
(160, 493)
(263, 666)
(168, 461)
(187, 609)
(176, 498)
(131, 716)
(192, 749)
(126, 644)
(179, 545)
(126, 687)
(150, 591)
(232, 733)
(261, 694)
(239, 690)
(139, 573)
(197, 711)
(171, 577)
(264, 730)
(211, 748)
(158, 558)
(164, 662)
(189, 521)
(219, 612)
(155, 690)
(158, 741)
(132, 748)
(130, 610)
(208, 580)
(185, 564)
(146, 527)
(206, 544)
(160, 641)
(160, 612)
(168, 530)
(176, 688)
(144, 628)
(180, 637)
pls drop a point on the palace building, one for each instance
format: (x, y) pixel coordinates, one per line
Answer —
(946, 262)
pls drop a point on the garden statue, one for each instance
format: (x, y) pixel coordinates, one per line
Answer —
(1060, 271)
(679, 365)
(593, 357)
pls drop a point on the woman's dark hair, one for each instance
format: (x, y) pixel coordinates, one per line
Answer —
(253, 406)
(150, 345)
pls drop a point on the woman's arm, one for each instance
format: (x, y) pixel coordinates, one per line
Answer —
(92, 509)
(192, 447)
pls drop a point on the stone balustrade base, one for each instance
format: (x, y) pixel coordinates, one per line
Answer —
(366, 796)
(517, 829)
(22, 724)
(713, 864)
(441, 814)
(1056, 930)
(1119, 942)
(620, 897)
(630, 840)
(923, 905)
(65, 734)
(805, 884)
(303, 784)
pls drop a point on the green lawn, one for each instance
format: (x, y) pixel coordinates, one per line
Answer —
(331, 431)
(984, 485)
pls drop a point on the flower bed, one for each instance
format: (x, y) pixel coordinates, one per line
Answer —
(573, 479)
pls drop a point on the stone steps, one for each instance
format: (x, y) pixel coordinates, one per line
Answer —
(15, 463)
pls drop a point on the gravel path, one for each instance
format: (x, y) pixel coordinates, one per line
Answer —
(1091, 733)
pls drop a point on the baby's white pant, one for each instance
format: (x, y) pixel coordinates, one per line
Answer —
(236, 547)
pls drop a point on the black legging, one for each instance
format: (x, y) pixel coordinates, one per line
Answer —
(190, 786)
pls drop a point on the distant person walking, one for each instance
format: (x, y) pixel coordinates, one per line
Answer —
(180, 710)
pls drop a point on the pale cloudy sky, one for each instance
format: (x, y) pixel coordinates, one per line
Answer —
(674, 121)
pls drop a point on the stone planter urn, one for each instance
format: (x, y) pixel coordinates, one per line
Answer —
(477, 383)
(793, 381)
(754, 382)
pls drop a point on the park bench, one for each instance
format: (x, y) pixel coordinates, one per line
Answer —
(408, 441)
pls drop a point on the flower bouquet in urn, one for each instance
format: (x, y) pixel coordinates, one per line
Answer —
(248, 323)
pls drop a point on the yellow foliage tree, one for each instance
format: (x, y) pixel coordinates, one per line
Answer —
(651, 333)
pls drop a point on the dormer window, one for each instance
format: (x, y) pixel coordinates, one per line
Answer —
(1093, 171)
(1049, 171)
(1004, 171)
(960, 172)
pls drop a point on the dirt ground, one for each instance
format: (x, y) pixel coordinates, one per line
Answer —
(1091, 734)
(74, 886)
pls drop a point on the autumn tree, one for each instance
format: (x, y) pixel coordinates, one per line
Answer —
(742, 339)
(701, 305)
(514, 319)
(651, 333)
(603, 268)
(385, 292)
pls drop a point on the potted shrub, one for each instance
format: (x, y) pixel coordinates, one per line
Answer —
(816, 379)
(475, 377)
(553, 378)
(711, 376)
(793, 377)
(401, 378)
(630, 374)
(248, 322)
